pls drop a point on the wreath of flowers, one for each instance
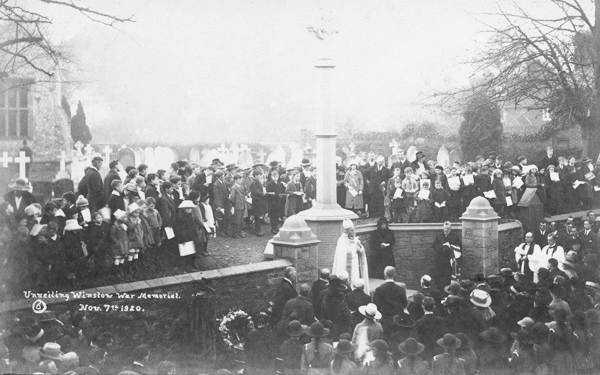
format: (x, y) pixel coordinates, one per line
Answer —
(233, 327)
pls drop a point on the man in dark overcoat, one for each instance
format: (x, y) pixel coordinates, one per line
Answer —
(285, 292)
(91, 185)
(447, 247)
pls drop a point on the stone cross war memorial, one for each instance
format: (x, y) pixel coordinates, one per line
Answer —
(264, 188)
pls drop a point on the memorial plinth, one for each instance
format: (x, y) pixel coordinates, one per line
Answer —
(326, 216)
(479, 239)
(298, 244)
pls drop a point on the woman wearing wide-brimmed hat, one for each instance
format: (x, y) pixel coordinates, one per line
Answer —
(20, 195)
(368, 330)
(383, 364)
(354, 183)
(335, 309)
(342, 364)
(291, 349)
(316, 355)
(412, 364)
(467, 354)
(448, 363)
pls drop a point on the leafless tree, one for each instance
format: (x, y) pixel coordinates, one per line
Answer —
(544, 62)
(24, 40)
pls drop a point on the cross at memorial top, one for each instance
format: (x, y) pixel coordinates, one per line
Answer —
(5, 159)
(244, 147)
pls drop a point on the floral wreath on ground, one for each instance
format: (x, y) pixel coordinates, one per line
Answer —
(233, 328)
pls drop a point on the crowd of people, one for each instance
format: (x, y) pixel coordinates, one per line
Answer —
(533, 319)
(112, 226)
(424, 191)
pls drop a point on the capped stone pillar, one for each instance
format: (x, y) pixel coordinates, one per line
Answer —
(479, 239)
(298, 244)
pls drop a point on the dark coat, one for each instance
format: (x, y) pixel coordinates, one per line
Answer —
(221, 195)
(303, 309)
(115, 202)
(142, 370)
(356, 299)
(259, 204)
(92, 188)
(285, 292)
(167, 210)
(443, 273)
(26, 200)
(185, 228)
(428, 329)
(317, 287)
(260, 351)
(390, 299)
(381, 256)
(334, 308)
(237, 198)
(110, 177)
(151, 191)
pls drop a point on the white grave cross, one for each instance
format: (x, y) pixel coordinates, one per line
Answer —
(394, 145)
(223, 150)
(22, 160)
(89, 151)
(352, 146)
(78, 146)
(5, 159)
(244, 147)
(107, 151)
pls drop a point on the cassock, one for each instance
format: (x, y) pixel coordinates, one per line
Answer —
(445, 255)
(350, 256)
(551, 251)
(523, 254)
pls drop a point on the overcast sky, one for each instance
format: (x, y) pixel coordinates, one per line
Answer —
(204, 70)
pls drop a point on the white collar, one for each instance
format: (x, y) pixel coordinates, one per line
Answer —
(137, 363)
(389, 281)
(288, 280)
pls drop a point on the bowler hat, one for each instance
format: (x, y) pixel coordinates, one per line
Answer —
(452, 300)
(506, 272)
(337, 284)
(453, 288)
(305, 162)
(449, 341)
(345, 346)
(20, 184)
(492, 335)
(316, 330)
(231, 166)
(295, 329)
(411, 346)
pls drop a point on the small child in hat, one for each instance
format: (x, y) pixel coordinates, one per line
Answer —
(135, 233)
(84, 216)
(423, 197)
(97, 243)
(410, 185)
(154, 220)
(440, 197)
(119, 241)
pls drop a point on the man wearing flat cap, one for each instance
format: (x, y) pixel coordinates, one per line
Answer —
(91, 185)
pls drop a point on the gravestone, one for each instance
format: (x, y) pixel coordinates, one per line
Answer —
(531, 210)
(195, 156)
(42, 191)
(296, 155)
(245, 159)
(163, 157)
(411, 154)
(260, 156)
(62, 186)
(126, 157)
(278, 155)
(443, 157)
(139, 156)
(455, 156)
(149, 158)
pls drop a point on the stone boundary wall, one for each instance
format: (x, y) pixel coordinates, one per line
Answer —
(413, 251)
(248, 287)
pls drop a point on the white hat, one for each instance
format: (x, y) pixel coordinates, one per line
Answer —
(133, 207)
(480, 298)
(186, 204)
(72, 224)
(347, 224)
(32, 209)
(120, 214)
(370, 311)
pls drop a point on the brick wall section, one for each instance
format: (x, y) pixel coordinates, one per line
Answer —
(248, 287)
(510, 235)
(304, 259)
(413, 250)
(328, 233)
